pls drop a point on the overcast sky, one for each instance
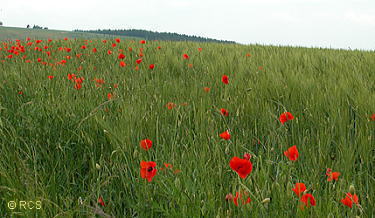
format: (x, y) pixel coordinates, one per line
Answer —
(311, 23)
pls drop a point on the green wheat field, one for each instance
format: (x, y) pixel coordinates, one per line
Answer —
(72, 119)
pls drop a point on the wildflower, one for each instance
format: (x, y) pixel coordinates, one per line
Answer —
(225, 79)
(148, 170)
(121, 56)
(349, 200)
(308, 200)
(247, 156)
(292, 153)
(145, 144)
(242, 167)
(100, 201)
(332, 175)
(170, 105)
(225, 135)
(152, 66)
(284, 117)
(299, 188)
(109, 96)
(122, 64)
(224, 112)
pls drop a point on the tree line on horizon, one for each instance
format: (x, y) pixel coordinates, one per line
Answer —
(153, 35)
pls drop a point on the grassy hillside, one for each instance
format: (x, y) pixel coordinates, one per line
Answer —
(11, 33)
(73, 142)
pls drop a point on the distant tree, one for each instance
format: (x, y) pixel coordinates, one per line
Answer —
(1, 23)
(28, 26)
(37, 27)
(46, 28)
(150, 35)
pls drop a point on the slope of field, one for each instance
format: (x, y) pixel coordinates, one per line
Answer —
(74, 116)
(12, 33)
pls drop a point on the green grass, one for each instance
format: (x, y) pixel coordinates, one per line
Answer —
(11, 33)
(52, 135)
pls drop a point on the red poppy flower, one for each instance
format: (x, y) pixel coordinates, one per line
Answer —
(117, 40)
(145, 144)
(78, 86)
(148, 170)
(350, 199)
(100, 201)
(224, 112)
(99, 82)
(373, 117)
(332, 175)
(142, 41)
(185, 56)
(308, 200)
(170, 105)
(225, 79)
(83, 47)
(65, 39)
(199, 49)
(71, 76)
(225, 135)
(104, 41)
(206, 89)
(158, 47)
(168, 165)
(248, 55)
(138, 61)
(152, 66)
(299, 188)
(292, 153)
(284, 117)
(50, 77)
(121, 56)
(109, 96)
(122, 64)
(243, 167)
(94, 50)
(114, 45)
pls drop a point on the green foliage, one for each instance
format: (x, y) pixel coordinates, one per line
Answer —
(67, 147)
(151, 35)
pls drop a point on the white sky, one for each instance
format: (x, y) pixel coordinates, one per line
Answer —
(311, 23)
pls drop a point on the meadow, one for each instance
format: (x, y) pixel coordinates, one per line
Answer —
(77, 122)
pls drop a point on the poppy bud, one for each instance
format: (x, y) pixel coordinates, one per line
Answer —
(135, 154)
(98, 167)
(266, 200)
(229, 197)
(351, 189)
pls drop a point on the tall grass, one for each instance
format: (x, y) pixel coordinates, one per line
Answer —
(54, 137)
